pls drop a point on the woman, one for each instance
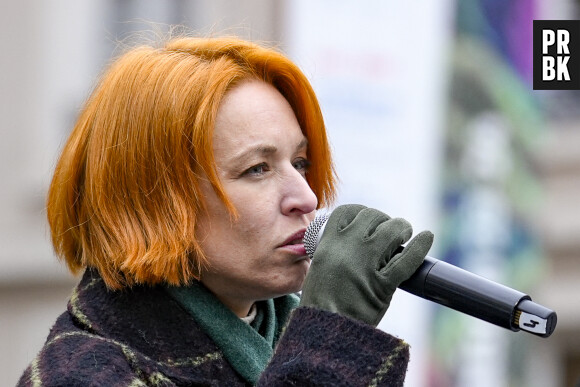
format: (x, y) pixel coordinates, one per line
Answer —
(184, 192)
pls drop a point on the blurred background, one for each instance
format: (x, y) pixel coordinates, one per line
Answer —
(432, 117)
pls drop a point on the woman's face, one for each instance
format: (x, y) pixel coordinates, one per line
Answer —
(260, 153)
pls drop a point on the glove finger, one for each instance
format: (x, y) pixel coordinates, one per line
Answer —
(404, 264)
(343, 216)
(388, 238)
(369, 220)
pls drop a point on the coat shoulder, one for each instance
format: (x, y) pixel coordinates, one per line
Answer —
(324, 348)
(95, 359)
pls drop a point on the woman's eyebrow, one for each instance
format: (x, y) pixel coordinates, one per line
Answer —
(302, 144)
(261, 150)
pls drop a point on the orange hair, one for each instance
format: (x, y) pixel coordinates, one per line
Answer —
(125, 194)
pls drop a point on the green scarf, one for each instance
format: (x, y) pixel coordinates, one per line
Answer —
(247, 348)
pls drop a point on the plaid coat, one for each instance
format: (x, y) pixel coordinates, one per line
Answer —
(142, 337)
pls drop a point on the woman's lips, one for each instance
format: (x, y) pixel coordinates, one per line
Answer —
(297, 249)
(295, 243)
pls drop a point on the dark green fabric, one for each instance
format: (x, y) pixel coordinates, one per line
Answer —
(359, 262)
(247, 348)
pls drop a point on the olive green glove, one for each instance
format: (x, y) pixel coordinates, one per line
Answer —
(359, 262)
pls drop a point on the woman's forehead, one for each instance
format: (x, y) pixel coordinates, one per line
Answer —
(255, 116)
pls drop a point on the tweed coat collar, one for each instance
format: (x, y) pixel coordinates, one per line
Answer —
(152, 330)
(247, 347)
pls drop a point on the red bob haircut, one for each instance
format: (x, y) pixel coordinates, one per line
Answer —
(125, 194)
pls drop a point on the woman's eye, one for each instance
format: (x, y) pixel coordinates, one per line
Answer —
(256, 170)
(301, 165)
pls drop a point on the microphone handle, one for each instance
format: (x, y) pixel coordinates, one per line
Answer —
(479, 297)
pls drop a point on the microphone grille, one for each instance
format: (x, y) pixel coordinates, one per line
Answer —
(312, 234)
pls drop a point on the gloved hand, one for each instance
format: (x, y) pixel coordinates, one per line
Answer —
(359, 263)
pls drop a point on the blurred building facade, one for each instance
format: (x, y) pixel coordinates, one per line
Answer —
(52, 53)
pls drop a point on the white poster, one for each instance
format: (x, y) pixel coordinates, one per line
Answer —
(380, 71)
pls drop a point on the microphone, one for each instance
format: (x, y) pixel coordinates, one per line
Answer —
(463, 291)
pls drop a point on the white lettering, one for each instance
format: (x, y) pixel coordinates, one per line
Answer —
(563, 68)
(548, 72)
(548, 39)
(563, 40)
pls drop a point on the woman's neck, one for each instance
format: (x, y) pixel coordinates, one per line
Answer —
(238, 305)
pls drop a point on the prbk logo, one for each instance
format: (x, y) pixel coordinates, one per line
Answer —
(556, 54)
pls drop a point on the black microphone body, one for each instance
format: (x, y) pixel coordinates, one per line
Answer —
(479, 297)
(451, 286)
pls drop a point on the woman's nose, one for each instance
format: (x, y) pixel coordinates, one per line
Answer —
(298, 197)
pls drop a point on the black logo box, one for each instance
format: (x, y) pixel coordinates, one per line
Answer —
(573, 64)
